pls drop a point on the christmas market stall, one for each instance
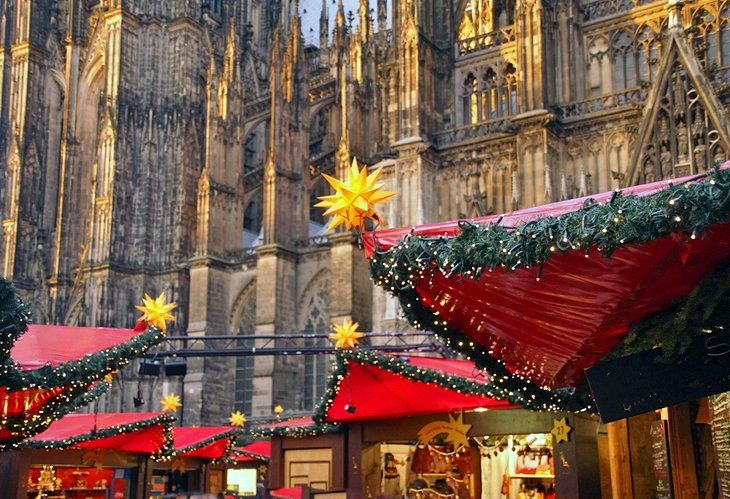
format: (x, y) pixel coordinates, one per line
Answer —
(91, 456)
(247, 476)
(614, 303)
(196, 462)
(426, 427)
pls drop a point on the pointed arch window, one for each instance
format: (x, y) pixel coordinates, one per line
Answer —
(510, 89)
(490, 98)
(706, 37)
(624, 62)
(470, 101)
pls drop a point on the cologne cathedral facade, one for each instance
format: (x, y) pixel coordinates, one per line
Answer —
(177, 146)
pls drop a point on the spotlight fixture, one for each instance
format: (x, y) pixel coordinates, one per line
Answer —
(139, 399)
(149, 367)
(176, 366)
(350, 408)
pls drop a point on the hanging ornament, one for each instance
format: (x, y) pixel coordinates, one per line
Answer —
(346, 334)
(156, 311)
(278, 409)
(237, 418)
(561, 430)
(170, 403)
(355, 198)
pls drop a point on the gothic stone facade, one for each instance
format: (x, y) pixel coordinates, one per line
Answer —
(176, 146)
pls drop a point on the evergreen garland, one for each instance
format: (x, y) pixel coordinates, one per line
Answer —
(163, 419)
(691, 208)
(14, 318)
(232, 436)
(318, 428)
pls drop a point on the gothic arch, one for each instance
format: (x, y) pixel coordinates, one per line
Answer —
(243, 307)
(316, 293)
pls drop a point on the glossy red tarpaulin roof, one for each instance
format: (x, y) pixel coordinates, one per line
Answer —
(187, 438)
(289, 492)
(580, 309)
(254, 451)
(301, 422)
(377, 393)
(43, 344)
(147, 440)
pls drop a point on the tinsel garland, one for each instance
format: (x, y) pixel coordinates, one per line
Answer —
(164, 419)
(690, 208)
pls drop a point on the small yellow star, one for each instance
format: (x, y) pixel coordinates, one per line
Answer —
(237, 418)
(170, 403)
(355, 198)
(156, 311)
(561, 430)
(278, 409)
(346, 334)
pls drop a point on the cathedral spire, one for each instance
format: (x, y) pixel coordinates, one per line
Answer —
(364, 15)
(323, 26)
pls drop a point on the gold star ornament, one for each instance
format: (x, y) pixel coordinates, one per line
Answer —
(561, 430)
(156, 311)
(278, 409)
(346, 334)
(355, 198)
(170, 403)
(237, 418)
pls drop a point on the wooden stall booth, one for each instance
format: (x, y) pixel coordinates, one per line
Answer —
(247, 475)
(420, 427)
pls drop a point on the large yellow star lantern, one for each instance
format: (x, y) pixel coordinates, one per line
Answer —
(237, 418)
(355, 198)
(346, 334)
(170, 403)
(156, 311)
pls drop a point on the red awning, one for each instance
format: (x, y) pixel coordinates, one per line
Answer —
(378, 386)
(256, 451)
(43, 344)
(290, 493)
(551, 329)
(212, 442)
(301, 422)
(142, 432)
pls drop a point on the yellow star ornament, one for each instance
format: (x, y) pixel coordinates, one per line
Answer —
(561, 430)
(170, 403)
(237, 418)
(278, 409)
(355, 198)
(346, 334)
(156, 311)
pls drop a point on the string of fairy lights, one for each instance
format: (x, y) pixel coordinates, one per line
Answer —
(689, 208)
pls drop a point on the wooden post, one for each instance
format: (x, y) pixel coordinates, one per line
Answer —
(11, 485)
(681, 452)
(620, 460)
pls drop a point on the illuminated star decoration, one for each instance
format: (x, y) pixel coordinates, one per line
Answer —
(170, 403)
(346, 334)
(561, 430)
(237, 418)
(278, 409)
(354, 199)
(156, 311)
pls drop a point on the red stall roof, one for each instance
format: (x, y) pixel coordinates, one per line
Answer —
(143, 432)
(382, 386)
(289, 492)
(255, 451)
(552, 328)
(43, 344)
(211, 442)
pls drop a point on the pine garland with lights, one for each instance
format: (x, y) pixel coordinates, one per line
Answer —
(14, 318)
(691, 208)
(318, 428)
(252, 455)
(232, 436)
(164, 419)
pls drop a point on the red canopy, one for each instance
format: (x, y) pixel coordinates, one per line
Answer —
(212, 442)
(142, 432)
(289, 492)
(378, 386)
(552, 328)
(43, 344)
(255, 451)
